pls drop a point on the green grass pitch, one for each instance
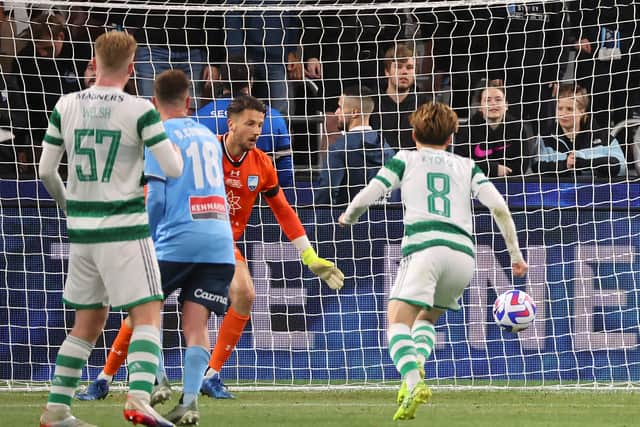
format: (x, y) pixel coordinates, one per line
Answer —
(448, 408)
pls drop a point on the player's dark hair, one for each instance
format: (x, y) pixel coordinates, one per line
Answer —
(171, 87)
(245, 102)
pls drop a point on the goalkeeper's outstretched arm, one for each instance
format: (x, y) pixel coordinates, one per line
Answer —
(293, 229)
(492, 199)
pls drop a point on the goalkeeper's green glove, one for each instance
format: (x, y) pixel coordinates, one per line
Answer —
(326, 270)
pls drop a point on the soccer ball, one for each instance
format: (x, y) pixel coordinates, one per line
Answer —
(514, 311)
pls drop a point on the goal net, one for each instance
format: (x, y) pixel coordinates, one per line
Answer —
(573, 188)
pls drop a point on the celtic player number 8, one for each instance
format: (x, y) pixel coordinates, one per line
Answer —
(438, 185)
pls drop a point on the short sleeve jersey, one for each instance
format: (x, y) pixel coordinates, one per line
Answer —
(104, 131)
(437, 188)
(195, 225)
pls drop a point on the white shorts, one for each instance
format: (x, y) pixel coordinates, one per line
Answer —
(433, 277)
(121, 274)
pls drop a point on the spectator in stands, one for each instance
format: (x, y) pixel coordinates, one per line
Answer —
(304, 92)
(275, 141)
(576, 145)
(15, 150)
(400, 97)
(10, 43)
(175, 39)
(608, 61)
(89, 76)
(526, 51)
(518, 43)
(341, 47)
(355, 158)
(633, 155)
(458, 37)
(50, 65)
(493, 138)
(268, 40)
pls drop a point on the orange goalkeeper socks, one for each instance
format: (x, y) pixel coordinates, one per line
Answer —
(228, 336)
(119, 349)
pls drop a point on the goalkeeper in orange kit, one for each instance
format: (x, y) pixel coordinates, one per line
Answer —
(247, 172)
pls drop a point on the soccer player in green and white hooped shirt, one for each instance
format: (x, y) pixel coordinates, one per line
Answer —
(438, 247)
(112, 259)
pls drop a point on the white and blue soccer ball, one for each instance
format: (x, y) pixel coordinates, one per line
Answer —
(514, 311)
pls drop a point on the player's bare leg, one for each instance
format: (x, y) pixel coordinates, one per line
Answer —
(242, 294)
(196, 334)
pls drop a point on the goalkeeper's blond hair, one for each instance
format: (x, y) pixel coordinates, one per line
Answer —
(433, 123)
(115, 51)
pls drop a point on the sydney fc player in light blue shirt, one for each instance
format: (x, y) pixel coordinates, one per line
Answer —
(191, 231)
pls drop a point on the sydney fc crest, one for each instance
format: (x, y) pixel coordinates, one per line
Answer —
(252, 182)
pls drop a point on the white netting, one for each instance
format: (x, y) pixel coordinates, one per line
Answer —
(580, 225)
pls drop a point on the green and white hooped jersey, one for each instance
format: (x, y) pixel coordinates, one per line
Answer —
(103, 130)
(437, 188)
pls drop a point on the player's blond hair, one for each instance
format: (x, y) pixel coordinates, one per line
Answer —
(433, 123)
(115, 50)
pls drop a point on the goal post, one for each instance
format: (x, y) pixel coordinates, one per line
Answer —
(580, 234)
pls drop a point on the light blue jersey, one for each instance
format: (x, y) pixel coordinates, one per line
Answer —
(188, 215)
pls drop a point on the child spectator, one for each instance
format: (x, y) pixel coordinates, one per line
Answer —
(577, 144)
